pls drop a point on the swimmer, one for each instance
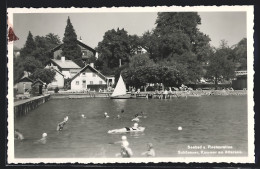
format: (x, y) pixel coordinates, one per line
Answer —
(127, 129)
(62, 124)
(125, 152)
(83, 116)
(43, 140)
(122, 111)
(18, 135)
(136, 119)
(118, 116)
(105, 115)
(150, 152)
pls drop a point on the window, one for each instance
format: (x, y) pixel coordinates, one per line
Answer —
(94, 74)
(77, 82)
(91, 82)
(83, 74)
(100, 82)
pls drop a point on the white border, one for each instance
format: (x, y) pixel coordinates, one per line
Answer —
(250, 55)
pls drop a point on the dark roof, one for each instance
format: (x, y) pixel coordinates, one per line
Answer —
(92, 69)
(67, 64)
(79, 43)
(37, 80)
(25, 79)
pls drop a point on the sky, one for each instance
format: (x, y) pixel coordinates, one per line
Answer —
(91, 27)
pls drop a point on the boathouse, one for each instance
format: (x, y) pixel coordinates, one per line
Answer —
(240, 82)
(90, 78)
(23, 85)
(37, 87)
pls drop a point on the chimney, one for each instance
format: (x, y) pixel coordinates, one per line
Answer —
(119, 62)
(96, 55)
(92, 65)
(63, 59)
(80, 39)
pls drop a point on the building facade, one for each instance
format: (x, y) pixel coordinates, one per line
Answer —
(89, 78)
(24, 85)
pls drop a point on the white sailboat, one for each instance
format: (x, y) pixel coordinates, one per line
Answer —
(120, 90)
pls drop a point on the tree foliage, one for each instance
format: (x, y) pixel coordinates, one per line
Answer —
(221, 67)
(46, 75)
(240, 53)
(35, 54)
(29, 46)
(70, 48)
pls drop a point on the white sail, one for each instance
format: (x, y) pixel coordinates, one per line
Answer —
(120, 88)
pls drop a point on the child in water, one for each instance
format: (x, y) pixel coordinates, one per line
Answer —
(150, 152)
(62, 124)
(106, 115)
(18, 135)
(125, 152)
(43, 140)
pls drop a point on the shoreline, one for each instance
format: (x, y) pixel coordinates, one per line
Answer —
(193, 93)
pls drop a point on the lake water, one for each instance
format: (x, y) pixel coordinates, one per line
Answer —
(207, 120)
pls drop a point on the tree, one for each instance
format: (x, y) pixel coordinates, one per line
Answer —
(240, 53)
(149, 41)
(140, 60)
(29, 46)
(221, 67)
(115, 46)
(30, 64)
(70, 48)
(46, 75)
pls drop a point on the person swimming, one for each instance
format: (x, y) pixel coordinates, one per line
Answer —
(83, 116)
(150, 152)
(136, 119)
(43, 140)
(106, 115)
(18, 135)
(61, 125)
(135, 127)
(122, 111)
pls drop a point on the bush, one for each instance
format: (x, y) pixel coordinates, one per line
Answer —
(56, 90)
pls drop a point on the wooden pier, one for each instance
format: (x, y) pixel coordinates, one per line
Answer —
(22, 107)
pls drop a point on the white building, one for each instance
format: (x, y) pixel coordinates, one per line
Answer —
(67, 67)
(90, 78)
(58, 79)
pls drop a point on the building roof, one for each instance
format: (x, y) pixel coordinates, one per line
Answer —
(92, 69)
(66, 64)
(79, 43)
(37, 80)
(49, 67)
(25, 79)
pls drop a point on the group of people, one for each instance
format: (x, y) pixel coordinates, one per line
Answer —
(19, 136)
(126, 151)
